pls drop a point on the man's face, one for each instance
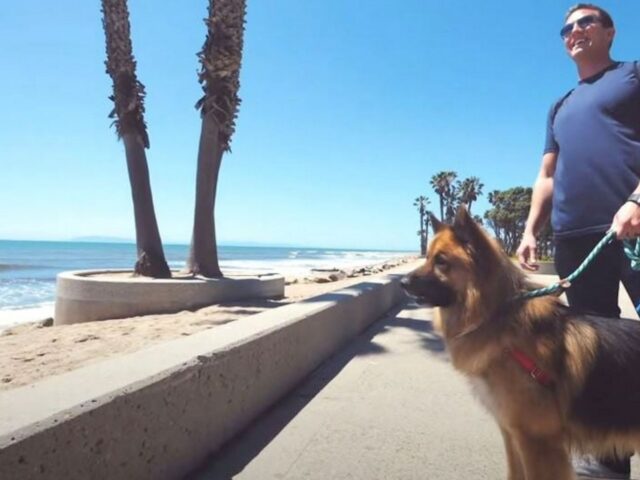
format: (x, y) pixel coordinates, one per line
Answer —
(590, 40)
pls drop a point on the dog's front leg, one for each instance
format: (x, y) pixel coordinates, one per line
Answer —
(514, 461)
(544, 457)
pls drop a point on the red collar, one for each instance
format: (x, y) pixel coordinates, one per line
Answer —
(529, 366)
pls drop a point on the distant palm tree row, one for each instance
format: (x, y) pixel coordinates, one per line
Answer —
(506, 217)
(451, 193)
(220, 60)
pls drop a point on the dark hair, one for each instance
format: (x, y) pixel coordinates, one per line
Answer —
(605, 18)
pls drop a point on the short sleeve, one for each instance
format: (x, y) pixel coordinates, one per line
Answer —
(550, 144)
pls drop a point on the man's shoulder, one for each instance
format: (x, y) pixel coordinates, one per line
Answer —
(629, 67)
(621, 65)
(630, 64)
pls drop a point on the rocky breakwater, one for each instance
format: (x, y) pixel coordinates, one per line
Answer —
(328, 275)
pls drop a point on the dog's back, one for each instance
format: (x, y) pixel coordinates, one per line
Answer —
(610, 397)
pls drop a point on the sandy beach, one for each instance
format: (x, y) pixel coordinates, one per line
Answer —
(34, 351)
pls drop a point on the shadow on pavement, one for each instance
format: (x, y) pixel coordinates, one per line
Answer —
(423, 325)
(236, 454)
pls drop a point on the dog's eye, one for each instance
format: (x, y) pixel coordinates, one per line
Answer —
(440, 261)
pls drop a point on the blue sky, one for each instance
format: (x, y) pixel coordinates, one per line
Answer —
(348, 109)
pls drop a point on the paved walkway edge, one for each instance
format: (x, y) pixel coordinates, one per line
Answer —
(159, 412)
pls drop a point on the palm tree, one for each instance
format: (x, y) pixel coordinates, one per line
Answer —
(469, 190)
(128, 112)
(421, 203)
(442, 184)
(220, 57)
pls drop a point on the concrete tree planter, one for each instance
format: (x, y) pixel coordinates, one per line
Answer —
(88, 295)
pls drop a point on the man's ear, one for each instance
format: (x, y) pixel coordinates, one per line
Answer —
(611, 33)
(436, 224)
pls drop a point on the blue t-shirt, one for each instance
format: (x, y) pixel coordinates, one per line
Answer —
(595, 130)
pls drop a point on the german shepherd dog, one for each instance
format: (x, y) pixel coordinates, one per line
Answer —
(555, 380)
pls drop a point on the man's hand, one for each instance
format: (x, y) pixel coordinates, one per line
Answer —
(527, 252)
(626, 222)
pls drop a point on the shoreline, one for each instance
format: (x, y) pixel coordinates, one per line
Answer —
(12, 316)
(34, 350)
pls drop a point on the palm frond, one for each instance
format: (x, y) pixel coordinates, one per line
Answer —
(128, 92)
(220, 59)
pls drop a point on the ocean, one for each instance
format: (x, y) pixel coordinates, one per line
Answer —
(28, 269)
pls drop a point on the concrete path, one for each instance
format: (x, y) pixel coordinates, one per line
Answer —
(389, 406)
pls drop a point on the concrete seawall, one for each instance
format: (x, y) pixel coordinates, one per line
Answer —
(159, 412)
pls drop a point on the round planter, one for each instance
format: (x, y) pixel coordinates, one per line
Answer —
(88, 295)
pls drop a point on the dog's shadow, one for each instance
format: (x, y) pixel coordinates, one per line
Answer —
(422, 324)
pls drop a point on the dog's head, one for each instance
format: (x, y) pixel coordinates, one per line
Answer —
(464, 268)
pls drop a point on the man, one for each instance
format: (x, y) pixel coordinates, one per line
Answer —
(590, 178)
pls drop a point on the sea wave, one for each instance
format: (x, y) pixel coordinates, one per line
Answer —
(176, 264)
(6, 267)
(298, 267)
(10, 317)
(20, 293)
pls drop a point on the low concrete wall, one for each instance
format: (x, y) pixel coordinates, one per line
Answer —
(159, 412)
(89, 295)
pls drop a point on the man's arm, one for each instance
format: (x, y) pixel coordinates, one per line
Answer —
(538, 212)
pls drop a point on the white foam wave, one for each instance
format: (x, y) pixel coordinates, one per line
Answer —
(10, 317)
(176, 264)
(299, 267)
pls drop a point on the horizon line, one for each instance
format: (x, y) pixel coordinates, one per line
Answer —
(229, 243)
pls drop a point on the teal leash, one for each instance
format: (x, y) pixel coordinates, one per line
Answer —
(631, 251)
(633, 254)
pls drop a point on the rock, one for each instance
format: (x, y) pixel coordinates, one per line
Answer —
(47, 322)
(339, 275)
(85, 338)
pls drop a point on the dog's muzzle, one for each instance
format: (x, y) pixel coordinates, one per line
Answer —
(428, 290)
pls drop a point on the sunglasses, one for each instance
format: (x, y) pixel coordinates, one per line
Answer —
(582, 22)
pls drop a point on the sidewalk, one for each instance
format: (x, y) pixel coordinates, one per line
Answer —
(389, 406)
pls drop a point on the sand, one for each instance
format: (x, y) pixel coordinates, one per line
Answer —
(33, 351)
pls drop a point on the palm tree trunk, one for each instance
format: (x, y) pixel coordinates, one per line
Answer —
(151, 261)
(423, 245)
(203, 256)
(220, 57)
(426, 233)
(128, 99)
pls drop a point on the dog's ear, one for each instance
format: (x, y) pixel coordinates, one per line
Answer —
(468, 231)
(436, 224)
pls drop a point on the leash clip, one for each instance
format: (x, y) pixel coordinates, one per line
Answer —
(535, 373)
